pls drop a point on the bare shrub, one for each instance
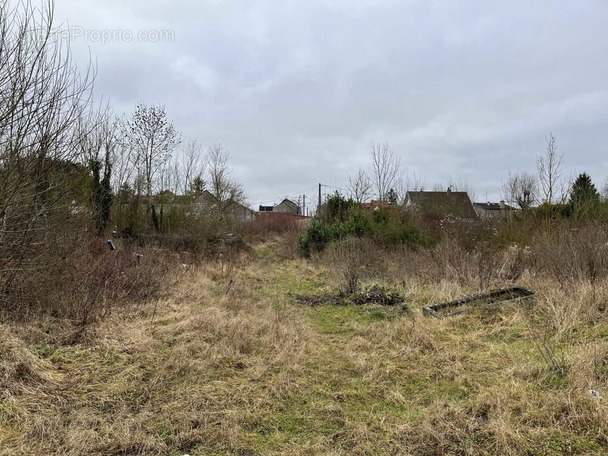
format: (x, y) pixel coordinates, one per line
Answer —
(270, 224)
(481, 267)
(450, 261)
(514, 262)
(572, 255)
(84, 281)
(289, 241)
(352, 260)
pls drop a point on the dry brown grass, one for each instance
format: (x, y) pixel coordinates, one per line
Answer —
(225, 362)
(154, 384)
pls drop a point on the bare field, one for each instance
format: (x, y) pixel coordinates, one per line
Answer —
(227, 362)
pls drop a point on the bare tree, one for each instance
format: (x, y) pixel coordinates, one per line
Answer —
(42, 97)
(226, 190)
(386, 168)
(521, 189)
(151, 138)
(360, 186)
(549, 171)
(124, 171)
(190, 168)
(98, 140)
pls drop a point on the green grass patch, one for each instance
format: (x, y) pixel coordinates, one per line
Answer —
(344, 319)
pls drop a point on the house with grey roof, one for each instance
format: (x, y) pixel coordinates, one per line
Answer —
(493, 210)
(442, 204)
(207, 201)
(287, 206)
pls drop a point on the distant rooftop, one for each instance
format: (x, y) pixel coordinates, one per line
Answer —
(456, 204)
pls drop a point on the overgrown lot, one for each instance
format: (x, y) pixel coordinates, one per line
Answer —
(227, 361)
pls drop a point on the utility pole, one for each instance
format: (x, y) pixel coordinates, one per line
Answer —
(319, 205)
(304, 205)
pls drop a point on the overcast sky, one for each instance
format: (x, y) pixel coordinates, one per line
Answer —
(297, 90)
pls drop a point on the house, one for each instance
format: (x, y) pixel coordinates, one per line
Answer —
(241, 213)
(442, 204)
(493, 210)
(207, 201)
(287, 206)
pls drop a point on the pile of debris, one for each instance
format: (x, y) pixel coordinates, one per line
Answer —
(375, 295)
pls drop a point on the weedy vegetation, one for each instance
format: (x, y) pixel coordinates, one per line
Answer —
(264, 352)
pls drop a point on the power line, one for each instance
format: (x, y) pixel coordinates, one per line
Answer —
(334, 188)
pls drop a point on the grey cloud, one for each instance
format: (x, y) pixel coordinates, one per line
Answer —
(297, 90)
